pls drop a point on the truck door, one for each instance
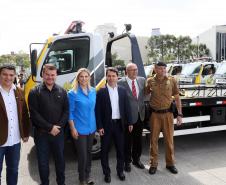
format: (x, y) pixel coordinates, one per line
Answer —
(129, 53)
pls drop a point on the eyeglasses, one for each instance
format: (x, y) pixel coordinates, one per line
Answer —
(132, 70)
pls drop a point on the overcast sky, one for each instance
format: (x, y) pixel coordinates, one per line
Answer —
(26, 21)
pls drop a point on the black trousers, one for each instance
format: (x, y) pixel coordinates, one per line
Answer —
(46, 144)
(133, 142)
(84, 147)
(113, 132)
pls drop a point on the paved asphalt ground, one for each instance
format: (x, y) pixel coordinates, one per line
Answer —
(201, 159)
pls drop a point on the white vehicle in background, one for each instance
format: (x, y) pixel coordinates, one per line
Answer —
(175, 70)
(190, 72)
(149, 70)
(197, 72)
(168, 67)
(220, 75)
(172, 69)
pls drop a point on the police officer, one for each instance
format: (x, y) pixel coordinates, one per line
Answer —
(162, 88)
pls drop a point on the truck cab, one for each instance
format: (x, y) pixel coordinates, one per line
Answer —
(76, 49)
(195, 72)
(69, 53)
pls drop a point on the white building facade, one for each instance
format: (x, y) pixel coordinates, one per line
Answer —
(215, 40)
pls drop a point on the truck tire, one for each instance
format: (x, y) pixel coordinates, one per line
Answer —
(96, 148)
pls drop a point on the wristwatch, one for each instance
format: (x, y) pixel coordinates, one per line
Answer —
(180, 114)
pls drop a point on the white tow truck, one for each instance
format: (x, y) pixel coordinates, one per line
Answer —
(204, 107)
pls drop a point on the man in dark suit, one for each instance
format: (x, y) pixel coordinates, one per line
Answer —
(112, 116)
(134, 86)
(14, 123)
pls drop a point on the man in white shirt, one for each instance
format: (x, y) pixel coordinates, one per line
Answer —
(14, 123)
(113, 115)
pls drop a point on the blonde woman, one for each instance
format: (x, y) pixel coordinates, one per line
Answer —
(82, 121)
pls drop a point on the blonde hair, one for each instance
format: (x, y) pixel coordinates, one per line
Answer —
(76, 82)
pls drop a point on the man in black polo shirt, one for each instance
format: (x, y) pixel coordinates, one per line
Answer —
(49, 112)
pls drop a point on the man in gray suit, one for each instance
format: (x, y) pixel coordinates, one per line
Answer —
(134, 86)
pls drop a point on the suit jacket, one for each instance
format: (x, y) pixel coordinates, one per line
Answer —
(23, 117)
(136, 104)
(104, 111)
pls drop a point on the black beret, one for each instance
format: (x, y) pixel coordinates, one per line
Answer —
(161, 64)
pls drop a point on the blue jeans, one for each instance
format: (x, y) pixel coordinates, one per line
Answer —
(12, 158)
(46, 143)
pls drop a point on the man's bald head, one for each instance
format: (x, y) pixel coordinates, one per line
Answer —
(130, 66)
(132, 71)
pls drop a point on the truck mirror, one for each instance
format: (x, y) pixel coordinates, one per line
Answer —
(33, 62)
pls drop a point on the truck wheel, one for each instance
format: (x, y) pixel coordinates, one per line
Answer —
(96, 148)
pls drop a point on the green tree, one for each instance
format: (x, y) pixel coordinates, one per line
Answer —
(161, 47)
(182, 47)
(116, 61)
(7, 59)
(20, 59)
(169, 47)
(200, 50)
(23, 58)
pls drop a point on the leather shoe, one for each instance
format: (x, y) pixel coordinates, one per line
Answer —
(90, 182)
(172, 169)
(107, 178)
(138, 164)
(127, 167)
(82, 183)
(152, 170)
(121, 176)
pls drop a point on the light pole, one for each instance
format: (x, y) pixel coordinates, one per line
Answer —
(197, 46)
(162, 50)
(162, 44)
(178, 51)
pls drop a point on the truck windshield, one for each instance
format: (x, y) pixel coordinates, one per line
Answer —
(176, 70)
(70, 54)
(221, 70)
(191, 69)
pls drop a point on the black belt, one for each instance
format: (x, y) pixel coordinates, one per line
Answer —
(115, 120)
(42, 130)
(161, 111)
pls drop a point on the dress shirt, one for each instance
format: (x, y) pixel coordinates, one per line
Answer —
(113, 93)
(82, 110)
(129, 81)
(12, 115)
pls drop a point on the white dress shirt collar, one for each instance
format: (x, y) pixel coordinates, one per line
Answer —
(13, 87)
(108, 86)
